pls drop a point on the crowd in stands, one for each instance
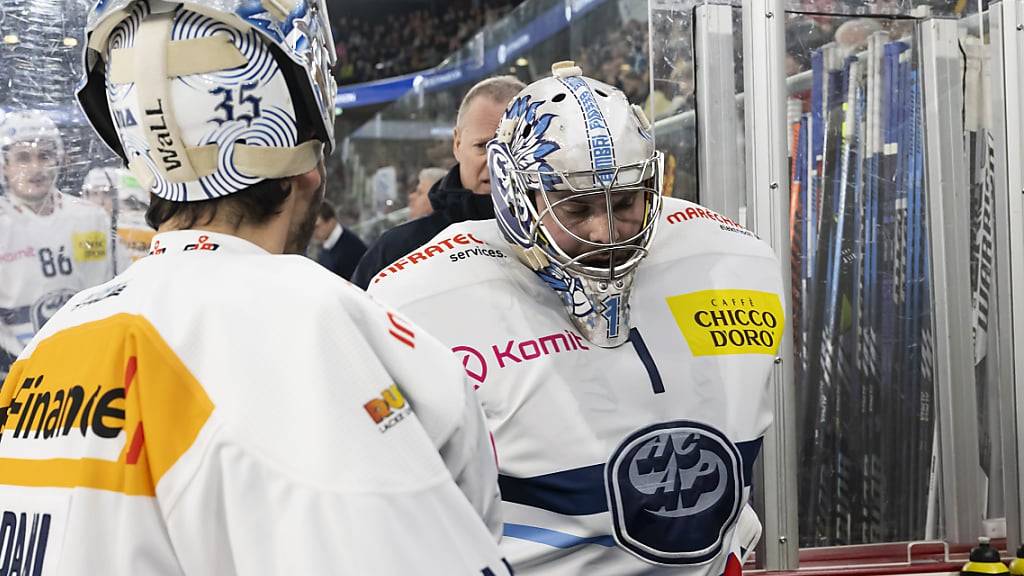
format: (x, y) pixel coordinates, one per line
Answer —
(375, 48)
(619, 57)
(609, 45)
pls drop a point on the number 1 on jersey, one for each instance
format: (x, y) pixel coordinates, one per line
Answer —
(611, 314)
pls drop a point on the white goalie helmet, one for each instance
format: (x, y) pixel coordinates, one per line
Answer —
(205, 98)
(570, 144)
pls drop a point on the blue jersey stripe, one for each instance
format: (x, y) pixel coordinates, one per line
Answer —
(581, 491)
(553, 538)
(645, 356)
(576, 492)
(748, 453)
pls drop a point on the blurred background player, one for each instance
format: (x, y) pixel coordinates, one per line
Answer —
(340, 248)
(99, 188)
(419, 201)
(51, 244)
(125, 201)
(463, 193)
(623, 373)
(210, 441)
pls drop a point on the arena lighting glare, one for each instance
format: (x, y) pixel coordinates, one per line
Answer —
(11, 39)
(70, 42)
(522, 62)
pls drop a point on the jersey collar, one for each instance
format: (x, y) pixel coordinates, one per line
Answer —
(201, 241)
(54, 204)
(333, 238)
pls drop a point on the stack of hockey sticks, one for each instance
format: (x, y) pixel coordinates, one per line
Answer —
(862, 298)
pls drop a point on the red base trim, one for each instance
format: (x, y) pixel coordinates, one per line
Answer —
(879, 560)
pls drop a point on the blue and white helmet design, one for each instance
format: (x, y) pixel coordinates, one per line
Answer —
(566, 139)
(205, 98)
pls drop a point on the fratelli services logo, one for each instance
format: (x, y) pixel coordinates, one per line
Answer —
(674, 490)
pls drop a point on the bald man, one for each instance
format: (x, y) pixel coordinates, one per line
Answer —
(465, 192)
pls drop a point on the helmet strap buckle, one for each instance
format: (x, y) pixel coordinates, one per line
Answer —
(534, 257)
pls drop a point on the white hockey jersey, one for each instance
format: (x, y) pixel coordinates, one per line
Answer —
(614, 461)
(219, 410)
(44, 260)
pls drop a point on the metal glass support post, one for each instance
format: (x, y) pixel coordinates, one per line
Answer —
(948, 228)
(721, 185)
(1006, 19)
(767, 199)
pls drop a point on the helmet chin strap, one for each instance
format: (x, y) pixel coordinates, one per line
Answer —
(533, 257)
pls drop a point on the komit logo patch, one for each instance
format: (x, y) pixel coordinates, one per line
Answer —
(516, 352)
(474, 363)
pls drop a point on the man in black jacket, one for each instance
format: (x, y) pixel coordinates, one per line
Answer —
(464, 194)
(340, 249)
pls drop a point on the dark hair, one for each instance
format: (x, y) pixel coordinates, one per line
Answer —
(255, 204)
(327, 211)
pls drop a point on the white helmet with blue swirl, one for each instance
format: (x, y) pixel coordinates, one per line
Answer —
(205, 98)
(576, 184)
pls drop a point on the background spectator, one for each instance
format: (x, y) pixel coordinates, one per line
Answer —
(419, 203)
(340, 249)
(465, 192)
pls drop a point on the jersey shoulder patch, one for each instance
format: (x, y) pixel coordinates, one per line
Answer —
(117, 373)
(462, 254)
(687, 229)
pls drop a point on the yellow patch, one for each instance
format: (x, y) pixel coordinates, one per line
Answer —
(718, 322)
(136, 236)
(136, 240)
(107, 387)
(89, 246)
